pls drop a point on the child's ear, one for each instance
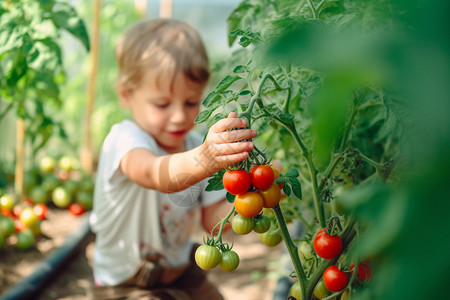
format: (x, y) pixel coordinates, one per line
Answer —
(124, 95)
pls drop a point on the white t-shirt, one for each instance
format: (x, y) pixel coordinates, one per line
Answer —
(132, 222)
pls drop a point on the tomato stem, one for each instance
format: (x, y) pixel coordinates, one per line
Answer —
(222, 223)
(292, 249)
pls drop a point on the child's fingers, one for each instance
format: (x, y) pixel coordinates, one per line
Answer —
(228, 123)
(232, 148)
(232, 115)
(234, 136)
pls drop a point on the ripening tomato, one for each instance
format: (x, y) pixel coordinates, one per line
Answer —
(41, 210)
(76, 209)
(296, 290)
(345, 295)
(320, 290)
(270, 238)
(207, 257)
(327, 246)
(271, 196)
(335, 280)
(230, 261)
(262, 176)
(242, 225)
(249, 204)
(363, 272)
(262, 224)
(276, 174)
(236, 182)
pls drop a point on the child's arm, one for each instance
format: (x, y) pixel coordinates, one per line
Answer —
(212, 214)
(176, 172)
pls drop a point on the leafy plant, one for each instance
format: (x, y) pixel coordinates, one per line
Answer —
(334, 89)
(31, 67)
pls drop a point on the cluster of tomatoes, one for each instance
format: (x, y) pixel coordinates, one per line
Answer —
(334, 278)
(52, 182)
(253, 191)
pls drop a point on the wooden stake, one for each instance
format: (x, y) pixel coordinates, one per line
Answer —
(18, 179)
(165, 9)
(86, 150)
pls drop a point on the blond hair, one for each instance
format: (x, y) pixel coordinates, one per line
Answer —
(164, 47)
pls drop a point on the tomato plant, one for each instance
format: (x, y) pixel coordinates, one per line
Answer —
(335, 280)
(207, 257)
(249, 204)
(327, 246)
(262, 176)
(236, 181)
(314, 79)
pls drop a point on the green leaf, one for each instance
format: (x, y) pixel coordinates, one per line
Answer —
(203, 116)
(240, 69)
(68, 19)
(287, 190)
(226, 83)
(291, 173)
(296, 187)
(215, 182)
(230, 197)
(212, 100)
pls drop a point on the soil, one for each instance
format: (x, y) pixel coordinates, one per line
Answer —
(250, 281)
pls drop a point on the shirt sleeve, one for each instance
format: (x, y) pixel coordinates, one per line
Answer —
(124, 138)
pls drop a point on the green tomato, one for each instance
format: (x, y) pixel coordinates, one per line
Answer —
(262, 224)
(270, 238)
(7, 201)
(7, 227)
(61, 198)
(230, 261)
(29, 218)
(296, 291)
(25, 239)
(47, 164)
(320, 290)
(38, 195)
(85, 199)
(242, 225)
(207, 257)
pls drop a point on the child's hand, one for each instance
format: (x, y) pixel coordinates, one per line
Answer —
(222, 147)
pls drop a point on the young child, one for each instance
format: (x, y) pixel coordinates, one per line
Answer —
(153, 170)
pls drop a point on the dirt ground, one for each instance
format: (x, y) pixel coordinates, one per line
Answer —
(251, 281)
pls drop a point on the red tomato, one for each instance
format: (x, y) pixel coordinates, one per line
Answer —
(335, 280)
(236, 182)
(249, 204)
(327, 246)
(363, 272)
(41, 210)
(262, 176)
(76, 209)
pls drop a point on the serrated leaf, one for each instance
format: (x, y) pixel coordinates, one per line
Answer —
(291, 173)
(226, 83)
(296, 187)
(212, 100)
(240, 69)
(203, 116)
(68, 19)
(230, 197)
(287, 190)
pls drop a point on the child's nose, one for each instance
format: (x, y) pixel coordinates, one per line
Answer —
(178, 115)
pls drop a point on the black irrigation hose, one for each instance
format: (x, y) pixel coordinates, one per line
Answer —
(46, 269)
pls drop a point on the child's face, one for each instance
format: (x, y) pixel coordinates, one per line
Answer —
(166, 115)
